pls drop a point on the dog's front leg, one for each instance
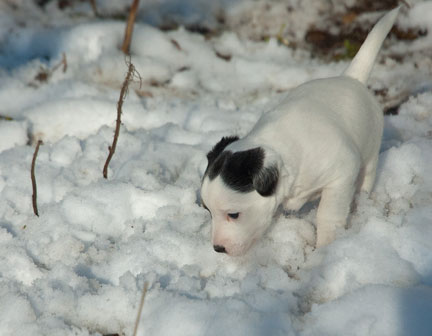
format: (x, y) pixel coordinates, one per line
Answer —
(334, 208)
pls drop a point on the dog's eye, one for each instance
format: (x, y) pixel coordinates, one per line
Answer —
(234, 215)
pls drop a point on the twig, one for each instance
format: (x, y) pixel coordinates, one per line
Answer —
(94, 8)
(33, 179)
(140, 308)
(129, 27)
(62, 62)
(44, 74)
(123, 92)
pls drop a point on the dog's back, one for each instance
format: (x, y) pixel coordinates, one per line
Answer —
(319, 111)
(341, 106)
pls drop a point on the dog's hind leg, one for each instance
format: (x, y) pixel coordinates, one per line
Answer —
(334, 206)
(369, 175)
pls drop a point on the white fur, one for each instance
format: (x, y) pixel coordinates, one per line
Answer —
(254, 210)
(324, 138)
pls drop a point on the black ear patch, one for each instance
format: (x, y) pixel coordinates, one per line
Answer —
(265, 182)
(219, 147)
(244, 171)
(214, 167)
(240, 168)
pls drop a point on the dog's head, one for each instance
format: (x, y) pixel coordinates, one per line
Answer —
(238, 189)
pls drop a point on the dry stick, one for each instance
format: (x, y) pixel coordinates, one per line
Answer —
(140, 308)
(129, 27)
(33, 179)
(123, 92)
(62, 62)
(94, 7)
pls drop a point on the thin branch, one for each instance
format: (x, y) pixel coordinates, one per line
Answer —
(123, 92)
(129, 27)
(33, 179)
(137, 321)
(94, 8)
(44, 74)
(62, 62)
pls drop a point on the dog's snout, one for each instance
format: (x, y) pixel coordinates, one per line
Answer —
(219, 248)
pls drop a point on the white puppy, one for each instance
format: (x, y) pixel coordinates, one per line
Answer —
(321, 141)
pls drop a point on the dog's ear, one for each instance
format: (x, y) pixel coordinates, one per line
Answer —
(219, 147)
(266, 180)
(240, 168)
(215, 168)
(246, 171)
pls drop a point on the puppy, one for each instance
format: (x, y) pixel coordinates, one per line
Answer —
(322, 141)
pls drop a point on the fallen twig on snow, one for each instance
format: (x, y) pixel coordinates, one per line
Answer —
(129, 27)
(33, 178)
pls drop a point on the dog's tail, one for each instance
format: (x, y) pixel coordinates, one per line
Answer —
(363, 62)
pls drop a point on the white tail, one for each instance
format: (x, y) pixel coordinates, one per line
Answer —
(363, 62)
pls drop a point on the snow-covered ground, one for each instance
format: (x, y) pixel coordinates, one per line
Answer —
(79, 268)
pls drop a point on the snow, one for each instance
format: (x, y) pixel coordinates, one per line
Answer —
(79, 268)
(401, 311)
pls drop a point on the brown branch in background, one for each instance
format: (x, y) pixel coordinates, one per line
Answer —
(129, 27)
(144, 292)
(94, 7)
(33, 179)
(123, 92)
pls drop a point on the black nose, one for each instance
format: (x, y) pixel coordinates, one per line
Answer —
(219, 249)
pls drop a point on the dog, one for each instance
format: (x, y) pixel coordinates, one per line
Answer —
(322, 141)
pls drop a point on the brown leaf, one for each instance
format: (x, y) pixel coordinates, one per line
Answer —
(348, 18)
(320, 38)
(42, 76)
